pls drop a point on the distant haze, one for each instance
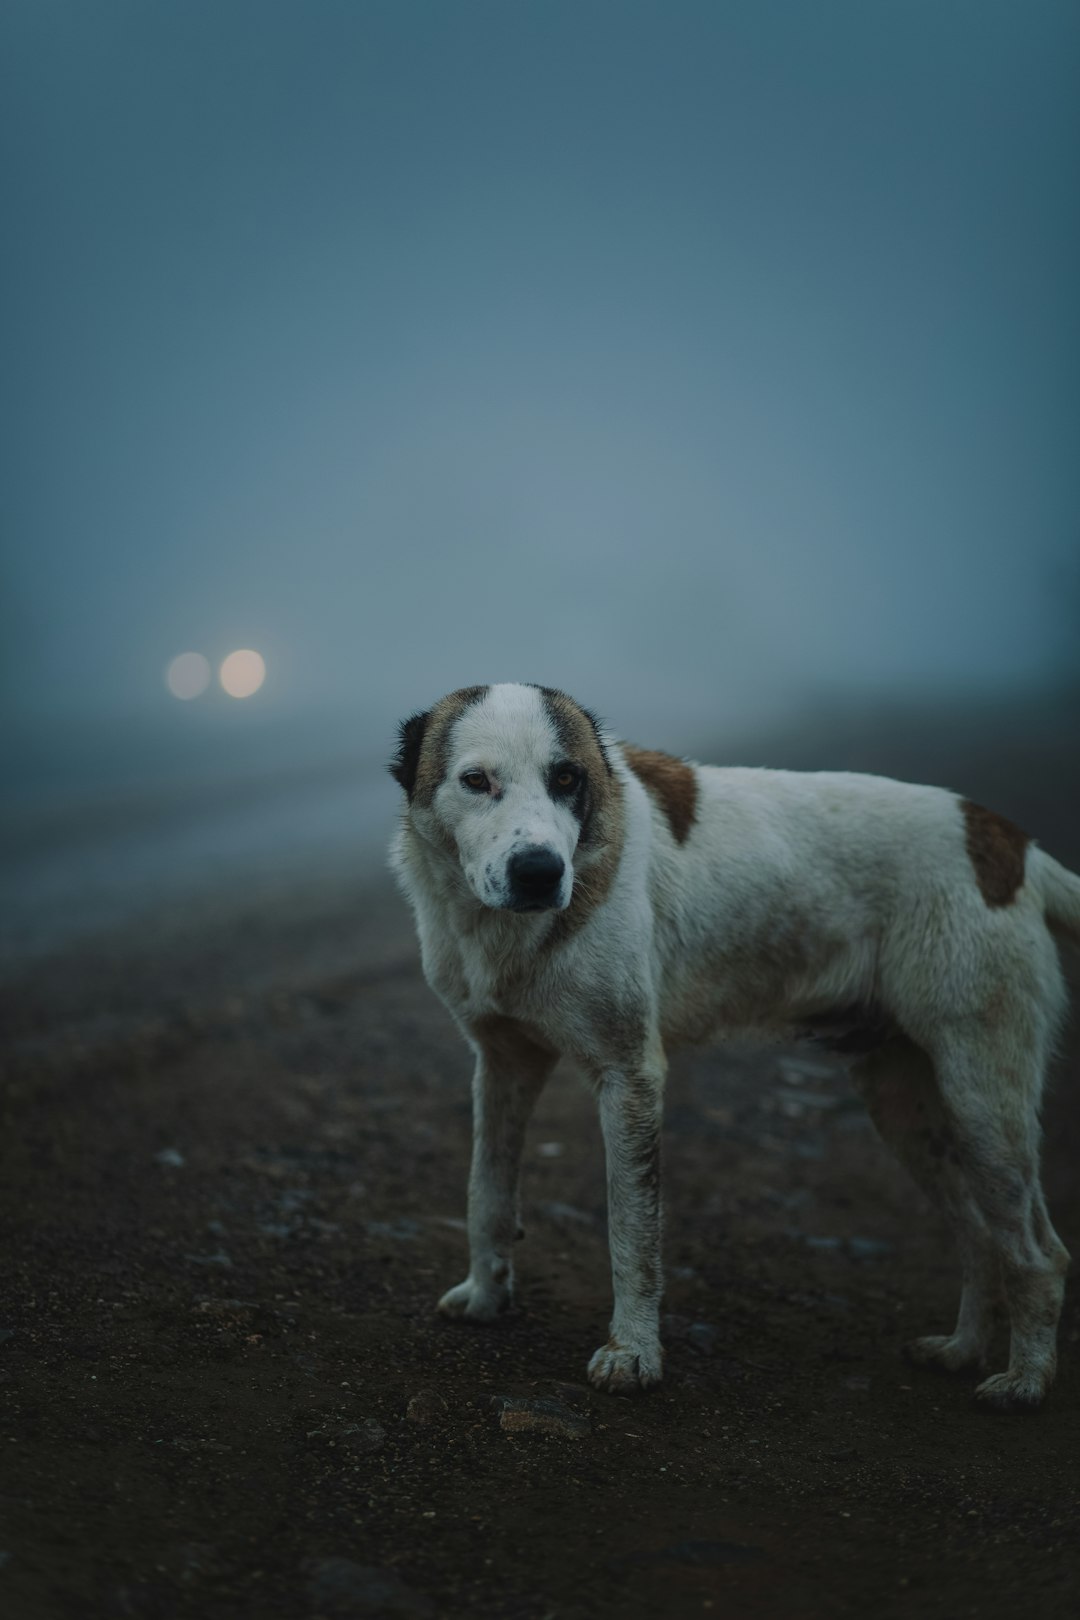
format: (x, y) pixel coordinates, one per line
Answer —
(689, 356)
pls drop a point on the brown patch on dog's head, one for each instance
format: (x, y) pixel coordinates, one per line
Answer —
(672, 784)
(599, 808)
(996, 848)
(578, 731)
(420, 762)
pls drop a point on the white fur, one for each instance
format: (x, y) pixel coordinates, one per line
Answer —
(792, 895)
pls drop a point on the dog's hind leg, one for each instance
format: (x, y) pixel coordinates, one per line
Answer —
(630, 1116)
(990, 1093)
(510, 1073)
(898, 1085)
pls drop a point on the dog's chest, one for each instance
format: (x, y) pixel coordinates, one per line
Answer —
(479, 977)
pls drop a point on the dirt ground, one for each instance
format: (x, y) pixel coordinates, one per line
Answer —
(235, 1151)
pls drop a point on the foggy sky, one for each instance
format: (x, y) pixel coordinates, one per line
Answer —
(666, 352)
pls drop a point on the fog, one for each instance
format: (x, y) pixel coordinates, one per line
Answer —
(697, 358)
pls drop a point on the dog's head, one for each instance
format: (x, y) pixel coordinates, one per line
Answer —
(514, 782)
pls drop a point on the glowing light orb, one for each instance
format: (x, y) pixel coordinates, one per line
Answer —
(242, 673)
(188, 676)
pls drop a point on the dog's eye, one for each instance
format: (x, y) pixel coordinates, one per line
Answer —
(475, 781)
(566, 777)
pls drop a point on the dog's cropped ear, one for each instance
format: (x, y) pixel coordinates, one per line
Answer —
(403, 766)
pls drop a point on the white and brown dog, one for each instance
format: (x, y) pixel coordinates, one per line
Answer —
(575, 895)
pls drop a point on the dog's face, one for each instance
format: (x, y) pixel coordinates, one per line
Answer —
(512, 781)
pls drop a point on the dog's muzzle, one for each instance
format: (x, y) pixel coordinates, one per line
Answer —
(535, 875)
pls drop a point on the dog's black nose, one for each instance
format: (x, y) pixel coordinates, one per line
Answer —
(535, 874)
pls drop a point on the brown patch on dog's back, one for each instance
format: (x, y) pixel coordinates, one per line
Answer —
(996, 848)
(671, 782)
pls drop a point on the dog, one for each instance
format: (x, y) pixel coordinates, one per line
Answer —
(576, 895)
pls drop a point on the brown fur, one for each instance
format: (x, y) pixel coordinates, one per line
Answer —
(672, 784)
(603, 831)
(578, 734)
(431, 768)
(996, 848)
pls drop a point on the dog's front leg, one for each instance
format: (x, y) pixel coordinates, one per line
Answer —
(630, 1115)
(510, 1073)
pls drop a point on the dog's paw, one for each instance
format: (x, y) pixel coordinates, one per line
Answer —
(1011, 1392)
(626, 1369)
(473, 1301)
(945, 1352)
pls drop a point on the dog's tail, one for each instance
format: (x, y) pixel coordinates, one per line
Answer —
(1060, 891)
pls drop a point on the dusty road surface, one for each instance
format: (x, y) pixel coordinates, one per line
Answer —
(235, 1151)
